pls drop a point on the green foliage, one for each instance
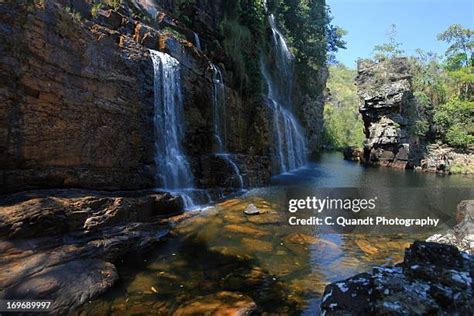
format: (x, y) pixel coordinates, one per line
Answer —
(460, 51)
(429, 78)
(242, 32)
(461, 169)
(342, 123)
(458, 137)
(455, 122)
(308, 30)
(390, 49)
(95, 9)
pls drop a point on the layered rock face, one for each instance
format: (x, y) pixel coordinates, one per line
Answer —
(386, 100)
(77, 101)
(78, 96)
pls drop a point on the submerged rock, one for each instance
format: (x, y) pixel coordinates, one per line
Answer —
(221, 303)
(252, 210)
(433, 279)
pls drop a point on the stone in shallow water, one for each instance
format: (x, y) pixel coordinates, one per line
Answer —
(265, 218)
(245, 230)
(252, 210)
(301, 239)
(366, 247)
(221, 303)
(257, 245)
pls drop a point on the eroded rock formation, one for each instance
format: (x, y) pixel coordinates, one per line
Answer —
(386, 101)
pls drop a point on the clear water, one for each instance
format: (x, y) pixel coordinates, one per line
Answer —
(284, 269)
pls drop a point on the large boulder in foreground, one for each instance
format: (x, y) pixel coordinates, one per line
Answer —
(432, 279)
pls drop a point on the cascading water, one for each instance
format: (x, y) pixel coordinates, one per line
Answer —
(290, 151)
(197, 41)
(174, 173)
(219, 118)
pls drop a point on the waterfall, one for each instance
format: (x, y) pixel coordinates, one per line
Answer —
(219, 118)
(174, 173)
(197, 41)
(290, 144)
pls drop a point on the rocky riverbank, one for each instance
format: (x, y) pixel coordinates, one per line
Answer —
(62, 245)
(435, 277)
(432, 279)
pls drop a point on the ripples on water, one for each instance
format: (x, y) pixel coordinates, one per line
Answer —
(283, 269)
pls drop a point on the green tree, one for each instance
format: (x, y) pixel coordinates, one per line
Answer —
(460, 59)
(390, 49)
(461, 49)
(342, 123)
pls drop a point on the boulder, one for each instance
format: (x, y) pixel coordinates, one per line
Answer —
(432, 279)
(67, 285)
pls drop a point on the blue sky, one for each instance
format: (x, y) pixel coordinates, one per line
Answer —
(418, 22)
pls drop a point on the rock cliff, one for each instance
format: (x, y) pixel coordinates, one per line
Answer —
(77, 89)
(386, 101)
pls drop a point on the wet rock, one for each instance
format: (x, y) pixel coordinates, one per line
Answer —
(245, 229)
(462, 235)
(252, 210)
(257, 245)
(221, 303)
(46, 213)
(366, 247)
(301, 239)
(266, 218)
(433, 279)
(52, 142)
(68, 285)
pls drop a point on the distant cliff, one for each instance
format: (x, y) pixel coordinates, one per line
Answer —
(390, 112)
(386, 104)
